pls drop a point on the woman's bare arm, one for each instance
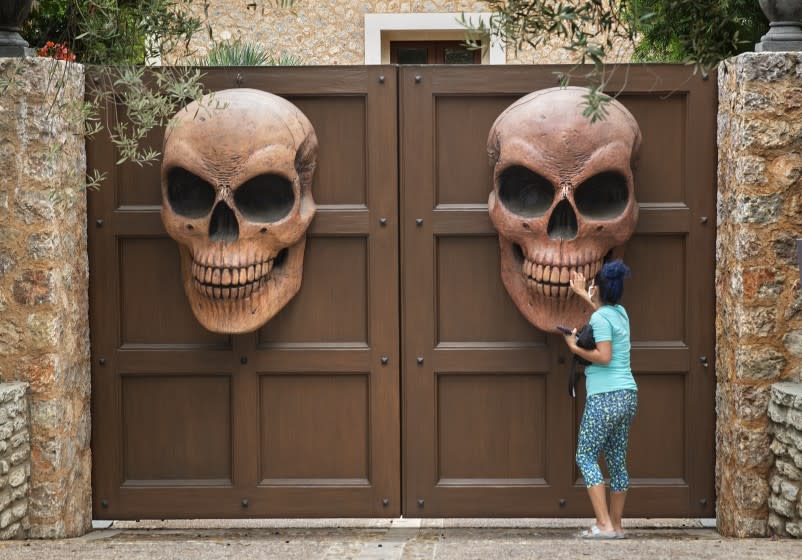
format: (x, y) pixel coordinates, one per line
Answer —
(602, 354)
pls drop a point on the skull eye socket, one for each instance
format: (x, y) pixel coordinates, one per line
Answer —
(265, 198)
(524, 192)
(603, 196)
(189, 195)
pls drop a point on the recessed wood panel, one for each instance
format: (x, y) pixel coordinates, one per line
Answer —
(176, 427)
(331, 306)
(491, 426)
(655, 295)
(657, 439)
(661, 169)
(657, 435)
(464, 174)
(472, 304)
(313, 427)
(339, 122)
(140, 185)
(154, 307)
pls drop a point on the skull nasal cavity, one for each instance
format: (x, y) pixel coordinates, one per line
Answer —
(223, 225)
(562, 224)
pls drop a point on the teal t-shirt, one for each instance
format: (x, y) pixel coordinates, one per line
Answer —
(610, 322)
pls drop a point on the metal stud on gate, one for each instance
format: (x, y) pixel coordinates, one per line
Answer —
(384, 360)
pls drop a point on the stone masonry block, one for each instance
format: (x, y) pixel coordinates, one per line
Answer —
(19, 492)
(750, 170)
(789, 490)
(794, 418)
(17, 476)
(786, 393)
(781, 506)
(19, 439)
(7, 518)
(777, 412)
(757, 209)
(763, 67)
(778, 448)
(777, 524)
(758, 363)
(35, 287)
(796, 456)
(5, 499)
(775, 482)
(793, 342)
(19, 509)
(788, 470)
(750, 401)
(21, 455)
(753, 449)
(750, 490)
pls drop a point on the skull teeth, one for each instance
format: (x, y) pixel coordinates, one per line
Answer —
(230, 282)
(554, 280)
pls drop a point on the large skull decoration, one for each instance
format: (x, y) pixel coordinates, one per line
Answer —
(563, 198)
(236, 196)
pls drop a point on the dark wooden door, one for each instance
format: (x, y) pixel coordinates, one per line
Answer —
(488, 426)
(433, 52)
(298, 419)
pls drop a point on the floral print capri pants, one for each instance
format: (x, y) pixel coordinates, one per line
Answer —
(605, 426)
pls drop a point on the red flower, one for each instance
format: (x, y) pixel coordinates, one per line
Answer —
(59, 51)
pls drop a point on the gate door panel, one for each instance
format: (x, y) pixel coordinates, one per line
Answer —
(489, 428)
(298, 419)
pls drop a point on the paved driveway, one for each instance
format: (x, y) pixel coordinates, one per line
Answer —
(397, 540)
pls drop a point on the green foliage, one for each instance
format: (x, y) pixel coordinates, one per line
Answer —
(112, 32)
(239, 53)
(697, 32)
(701, 32)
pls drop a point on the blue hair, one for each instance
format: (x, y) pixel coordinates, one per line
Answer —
(610, 281)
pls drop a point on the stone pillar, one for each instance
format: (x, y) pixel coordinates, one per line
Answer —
(44, 327)
(759, 308)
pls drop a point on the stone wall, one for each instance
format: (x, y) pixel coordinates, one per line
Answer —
(785, 501)
(15, 460)
(44, 329)
(759, 305)
(333, 31)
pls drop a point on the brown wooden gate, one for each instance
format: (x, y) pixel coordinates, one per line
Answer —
(298, 419)
(400, 382)
(489, 429)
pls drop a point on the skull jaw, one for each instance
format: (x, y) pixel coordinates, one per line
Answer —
(544, 312)
(241, 316)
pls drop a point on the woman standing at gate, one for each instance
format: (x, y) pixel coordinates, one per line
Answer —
(612, 397)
